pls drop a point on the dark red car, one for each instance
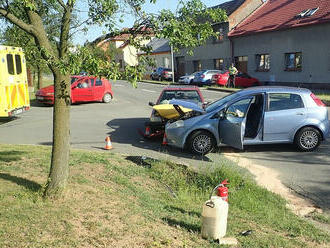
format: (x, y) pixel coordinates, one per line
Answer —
(83, 89)
(242, 80)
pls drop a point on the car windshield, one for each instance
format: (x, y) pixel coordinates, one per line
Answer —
(74, 79)
(214, 105)
(187, 95)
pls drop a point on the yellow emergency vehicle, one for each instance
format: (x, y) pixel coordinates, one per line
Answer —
(14, 92)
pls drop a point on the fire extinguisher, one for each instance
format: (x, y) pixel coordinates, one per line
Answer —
(223, 190)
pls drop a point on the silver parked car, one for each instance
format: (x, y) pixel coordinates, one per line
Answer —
(257, 115)
(204, 77)
(187, 79)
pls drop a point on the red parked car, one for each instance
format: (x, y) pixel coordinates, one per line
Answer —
(242, 80)
(83, 89)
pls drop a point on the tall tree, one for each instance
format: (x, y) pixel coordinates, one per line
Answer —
(190, 26)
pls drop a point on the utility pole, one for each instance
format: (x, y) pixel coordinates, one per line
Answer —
(172, 56)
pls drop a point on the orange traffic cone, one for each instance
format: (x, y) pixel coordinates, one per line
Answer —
(108, 145)
(147, 132)
(164, 140)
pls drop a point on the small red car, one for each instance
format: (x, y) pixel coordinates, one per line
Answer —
(83, 89)
(242, 80)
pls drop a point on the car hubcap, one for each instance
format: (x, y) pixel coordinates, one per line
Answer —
(107, 98)
(309, 139)
(202, 143)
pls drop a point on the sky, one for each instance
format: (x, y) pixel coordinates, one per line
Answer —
(97, 31)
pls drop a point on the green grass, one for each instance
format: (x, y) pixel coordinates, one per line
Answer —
(324, 97)
(156, 82)
(320, 218)
(116, 201)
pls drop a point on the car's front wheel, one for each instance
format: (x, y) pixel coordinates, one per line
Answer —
(107, 98)
(201, 142)
(308, 139)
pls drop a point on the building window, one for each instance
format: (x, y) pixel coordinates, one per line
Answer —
(263, 62)
(218, 64)
(197, 65)
(293, 61)
(219, 38)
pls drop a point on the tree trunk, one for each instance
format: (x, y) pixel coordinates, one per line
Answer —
(29, 77)
(39, 78)
(59, 170)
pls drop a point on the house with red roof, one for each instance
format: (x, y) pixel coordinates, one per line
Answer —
(285, 42)
(125, 52)
(216, 53)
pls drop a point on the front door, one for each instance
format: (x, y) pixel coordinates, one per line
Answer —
(232, 124)
(82, 91)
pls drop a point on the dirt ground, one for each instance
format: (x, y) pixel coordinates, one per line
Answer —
(269, 179)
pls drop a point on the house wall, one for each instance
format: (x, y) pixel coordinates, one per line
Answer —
(216, 49)
(312, 41)
(206, 54)
(161, 60)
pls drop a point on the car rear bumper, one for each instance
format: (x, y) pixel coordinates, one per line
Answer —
(45, 99)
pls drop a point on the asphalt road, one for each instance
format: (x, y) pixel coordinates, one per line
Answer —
(306, 173)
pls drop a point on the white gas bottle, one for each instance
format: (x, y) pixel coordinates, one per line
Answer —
(214, 218)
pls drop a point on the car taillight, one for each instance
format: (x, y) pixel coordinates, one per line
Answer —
(317, 101)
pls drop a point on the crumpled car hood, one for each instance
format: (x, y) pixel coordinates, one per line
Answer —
(186, 104)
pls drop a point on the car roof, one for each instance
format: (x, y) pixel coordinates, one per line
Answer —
(181, 87)
(277, 89)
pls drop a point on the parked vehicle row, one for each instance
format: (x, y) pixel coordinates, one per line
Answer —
(258, 115)
(161, 74)
(218, 77)
(83, 89)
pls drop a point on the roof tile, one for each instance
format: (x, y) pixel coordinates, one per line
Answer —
(282, 14)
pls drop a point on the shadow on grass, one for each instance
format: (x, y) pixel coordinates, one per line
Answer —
(28, 184)
(10, 156)
(182, 224)
(183, 211)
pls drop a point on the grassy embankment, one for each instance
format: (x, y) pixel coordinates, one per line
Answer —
(116, 201)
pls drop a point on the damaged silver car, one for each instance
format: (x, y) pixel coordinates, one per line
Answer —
(257, 115)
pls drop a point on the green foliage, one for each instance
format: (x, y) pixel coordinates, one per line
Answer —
(190, 27)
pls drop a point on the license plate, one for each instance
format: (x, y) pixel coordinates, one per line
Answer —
(40, 98)
(17, 111)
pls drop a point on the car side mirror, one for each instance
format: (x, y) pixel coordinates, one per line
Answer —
(151, 104)
(205, 104)
(222, 115)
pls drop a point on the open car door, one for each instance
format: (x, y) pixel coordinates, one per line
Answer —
(232, 123)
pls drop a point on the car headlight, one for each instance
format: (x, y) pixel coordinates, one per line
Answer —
(177, 124)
